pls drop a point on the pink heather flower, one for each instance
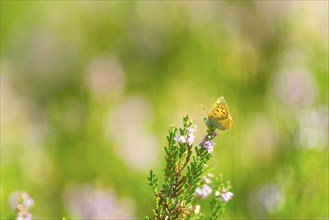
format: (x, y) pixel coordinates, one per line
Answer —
(27, 201)
(206, 139)
(224, 196)
(206, 180)
(24, 216)
(191, 130)
(190, 134)
(180, 139)
(209, 145)
(190, 139)
(20, 215)
(197, 209)
(213, 135)
(211, 175)
(203, 192)
(28, 216)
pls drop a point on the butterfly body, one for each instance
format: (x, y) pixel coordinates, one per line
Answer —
(219, 116)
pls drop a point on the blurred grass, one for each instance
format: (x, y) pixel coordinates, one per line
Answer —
(89, 89)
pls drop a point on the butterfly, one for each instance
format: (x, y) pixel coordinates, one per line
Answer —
(219, 116)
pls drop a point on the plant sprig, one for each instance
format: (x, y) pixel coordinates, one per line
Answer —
(183, 174)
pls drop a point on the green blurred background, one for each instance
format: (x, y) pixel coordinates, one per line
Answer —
(89, 90)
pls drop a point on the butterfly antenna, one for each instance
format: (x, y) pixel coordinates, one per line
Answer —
(203, 108)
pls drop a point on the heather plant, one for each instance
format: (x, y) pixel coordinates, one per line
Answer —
(187, 178)
(21, 204)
